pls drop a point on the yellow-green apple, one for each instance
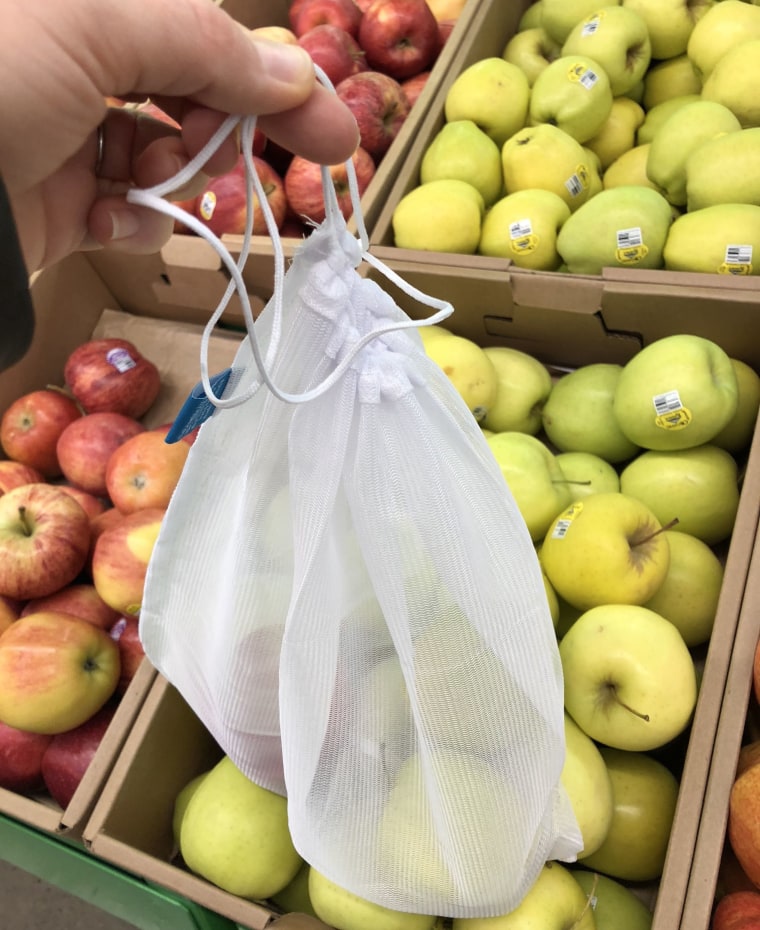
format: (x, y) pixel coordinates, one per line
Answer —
(303, 184)
(346, 911)
(621, 227)
(441, 216)
(182, 800)
(645, 794)
(112, 376)
(532, 16)
(78, 599)
(10, 609)
(275, 34)
(44, 540)
(737, 910)
(547, 158)
(587, 782)
(305, 14)
(494, 94)
(380, 107)
(86, 444)
(743, 822)
(730, 79)
(605, 549)
(294, 897)
(69, 754)
(524, 383)
(126, 634)
(615, 906)
(578, 416)
(617, 39)
(56, 671)
(721, 239)
(587, 474)
(554, 900)
(573, 93)
(724, 170)
(659, 113)
(688, 596)
(31, 425)
(235, 834)
(680, 135)
(469, 369)
(670, 23)
(399, 37)
(618, 132)
(335, 51)
(534, 477)
(671, 79)
(120, 559)
(629, 677)
(222, 204)
(523, 226)
(631, 169)
(736, 435)
(144, 471)
(92, 506)
(676, 393)
(722, 27)
(21, 755)
(461, 150)
(559, 17)
(13, 474)
(531, 50)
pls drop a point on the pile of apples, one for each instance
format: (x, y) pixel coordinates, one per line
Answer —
(606, 135)
(83, 490)
(378, 56)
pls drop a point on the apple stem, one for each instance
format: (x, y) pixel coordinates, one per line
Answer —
(644, 717)
(25, 524)
(568, 481)
(662, 529)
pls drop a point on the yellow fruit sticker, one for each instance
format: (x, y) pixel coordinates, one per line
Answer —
(738, 260)
(580, 74)
(562, 524)
(208, 205)
(132, 609)
(593, 22)
(579, 182)
(522, 239)
(630, 246)
(670, 412)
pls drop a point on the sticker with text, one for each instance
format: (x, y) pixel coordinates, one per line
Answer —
(523, 240)
(120, 359)
(581, 74)
(578, 182)
(630, 246)
(207, 205)
(737, 260)
(565, 520)
(592, 24)
(670, 413)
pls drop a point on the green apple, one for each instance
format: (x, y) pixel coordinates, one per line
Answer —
(567, 616)
(645, 793)
(618, 133)
(615, 906)
(605, 549)
(737, 434)
(722, 239)
(621, 227)
(558, 17)
(681, 135)
(669, 79)
(629, 677)
(546, 157)
(523, 226)
(578, 415)
(587, 474)
(346, 911)
(494, 94)
(617, 39)
(524, 385)
(442, 216)
(721, 28)
(688, 596)
(670, 23)
(588, 786)
(235, 834)
(469, 369)
(531, 50)
(531, 18)
(181, 802)
(675, 393)
(659, 113)
(732, 82)
(555, 901)
(294, 897)
(534, 478)
(429, 334)
(699, 487)
(631, 169)
(724, 170)
(462, 151)
(573, 93)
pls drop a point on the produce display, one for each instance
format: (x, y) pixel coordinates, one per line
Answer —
(617, 135)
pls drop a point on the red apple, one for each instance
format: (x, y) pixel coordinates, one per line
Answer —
(743, 819)
(44, 540)
(400, 37)
(21, 756)
(87, 444)
(189, 206)
(56, 671)
(749, 755)
(125, 632)
(112, 376)
(445, 28)
(91, 505)
(69, 755)
(335, 51)
(379, 105)
(79, 600)
(144, 471)
(739, 910)
(306, 14)
(30, 428)
(364, 5)
(14, 474)
(222, 204)
(9, 612)
(120, 559)
(303, 183)
(98, 525)
(414, 86)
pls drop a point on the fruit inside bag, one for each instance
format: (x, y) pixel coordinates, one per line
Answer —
(345, 593)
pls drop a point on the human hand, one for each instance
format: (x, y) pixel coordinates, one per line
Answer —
(61, 60)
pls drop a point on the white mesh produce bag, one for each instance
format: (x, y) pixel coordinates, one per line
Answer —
(345, 593)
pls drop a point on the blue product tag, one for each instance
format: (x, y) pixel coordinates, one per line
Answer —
(197, 408)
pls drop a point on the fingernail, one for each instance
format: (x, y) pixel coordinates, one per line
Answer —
(124, 223)
(290, 64)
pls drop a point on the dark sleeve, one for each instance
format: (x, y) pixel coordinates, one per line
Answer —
(16, 313)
